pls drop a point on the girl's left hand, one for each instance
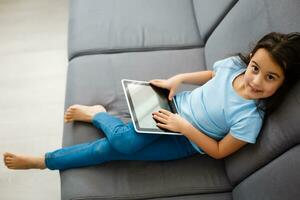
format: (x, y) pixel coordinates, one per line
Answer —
(170, 121)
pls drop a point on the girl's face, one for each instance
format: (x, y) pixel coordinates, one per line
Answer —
(263, 75)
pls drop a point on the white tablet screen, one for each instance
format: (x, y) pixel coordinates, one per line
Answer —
(144, 99)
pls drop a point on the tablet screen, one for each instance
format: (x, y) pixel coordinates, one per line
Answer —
(144, 99)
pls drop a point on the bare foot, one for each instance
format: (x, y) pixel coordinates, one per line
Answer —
(82, 113)
(14, 161)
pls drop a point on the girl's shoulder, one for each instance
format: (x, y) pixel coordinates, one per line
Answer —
(231, 63)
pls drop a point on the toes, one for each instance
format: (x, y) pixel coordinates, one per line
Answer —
(7, 154)
(74, 106)
(68, 119)
(6, 160)
(71, 108)
(8, 163)
(68, 116)
(69, 111)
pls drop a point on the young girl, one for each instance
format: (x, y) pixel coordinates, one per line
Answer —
(217, 119)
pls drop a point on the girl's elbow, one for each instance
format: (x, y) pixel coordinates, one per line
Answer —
(218, 156)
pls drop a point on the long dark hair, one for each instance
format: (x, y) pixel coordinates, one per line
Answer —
(285, 50)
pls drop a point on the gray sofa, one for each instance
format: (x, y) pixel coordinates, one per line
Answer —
(146, 39)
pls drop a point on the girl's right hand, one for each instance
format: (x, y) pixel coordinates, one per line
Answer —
(171, 84)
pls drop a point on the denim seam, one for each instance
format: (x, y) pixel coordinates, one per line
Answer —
(72, 151)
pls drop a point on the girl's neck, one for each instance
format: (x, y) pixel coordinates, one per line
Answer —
(239, 86)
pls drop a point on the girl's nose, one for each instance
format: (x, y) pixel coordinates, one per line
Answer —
(257, 81)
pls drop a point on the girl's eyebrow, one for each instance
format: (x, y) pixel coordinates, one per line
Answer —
(273, 73)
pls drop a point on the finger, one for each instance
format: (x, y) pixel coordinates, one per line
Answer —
(155, 81)
(162, 115)
(157, 112)
(165, 112)
(161, 119)
(162, 125)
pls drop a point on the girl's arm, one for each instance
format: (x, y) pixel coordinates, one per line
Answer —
(196, 78)
(216, 149)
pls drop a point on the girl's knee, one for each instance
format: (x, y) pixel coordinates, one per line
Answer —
(125, 139)
(102, 147)
(125, 143)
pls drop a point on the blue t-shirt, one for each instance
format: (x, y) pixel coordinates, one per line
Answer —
(216, 109)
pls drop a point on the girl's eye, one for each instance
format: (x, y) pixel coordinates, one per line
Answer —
(270, 77)
(254, 68)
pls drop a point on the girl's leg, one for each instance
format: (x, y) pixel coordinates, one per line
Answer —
(97, 152)
(20, 161)
(122, 143)
(122, 137)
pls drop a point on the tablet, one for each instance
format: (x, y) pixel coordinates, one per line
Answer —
(143, 99)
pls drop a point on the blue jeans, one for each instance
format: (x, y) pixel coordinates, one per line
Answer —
(122, 142)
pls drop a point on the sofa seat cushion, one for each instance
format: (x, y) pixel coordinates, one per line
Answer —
(95, 79)
(143, 180)
(105, 26)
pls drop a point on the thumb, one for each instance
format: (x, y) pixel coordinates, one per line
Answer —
(154, 82)
(171, 94)
(157, 83)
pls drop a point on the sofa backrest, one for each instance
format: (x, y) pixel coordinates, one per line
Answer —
(209, 13)
(245, 23)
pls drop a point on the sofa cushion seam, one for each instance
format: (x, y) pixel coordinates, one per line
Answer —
(130, 50)
(148, 195)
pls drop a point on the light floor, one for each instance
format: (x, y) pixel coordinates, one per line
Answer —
(33, 64)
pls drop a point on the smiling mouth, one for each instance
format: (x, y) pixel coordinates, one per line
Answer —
(254, 90)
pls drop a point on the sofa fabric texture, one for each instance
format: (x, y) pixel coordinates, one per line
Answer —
(109, 40)
(247, 22)
(109, 26)
(268, 182)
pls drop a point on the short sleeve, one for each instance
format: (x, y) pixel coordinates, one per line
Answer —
(232, 63)
(217, 65)
(247, 129)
